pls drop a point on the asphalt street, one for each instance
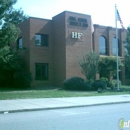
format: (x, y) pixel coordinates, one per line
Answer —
(103, 117)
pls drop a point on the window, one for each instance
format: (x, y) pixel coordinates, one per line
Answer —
(41, 39)
(102, 45)
(114, 47)
(19, 43)
(41, 71)
(127, 71)
(125, 48)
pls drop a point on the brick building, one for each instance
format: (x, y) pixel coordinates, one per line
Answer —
(53, 45)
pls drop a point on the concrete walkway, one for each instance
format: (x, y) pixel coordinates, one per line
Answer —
(19, 105)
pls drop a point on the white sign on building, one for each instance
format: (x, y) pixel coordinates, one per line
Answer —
(76, 35)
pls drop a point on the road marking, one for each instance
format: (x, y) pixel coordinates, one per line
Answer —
(61, 111)
(6, 112)
(71, 113)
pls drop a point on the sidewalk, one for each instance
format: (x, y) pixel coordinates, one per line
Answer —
(19, 105)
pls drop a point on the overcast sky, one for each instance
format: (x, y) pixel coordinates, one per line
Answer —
(101, 11)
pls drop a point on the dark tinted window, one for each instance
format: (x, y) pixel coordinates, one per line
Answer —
(19, 43)
(41, 71)
(127, 71)
(41, 39)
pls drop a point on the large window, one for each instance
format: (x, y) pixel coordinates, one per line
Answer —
(125, 49)
(102, 45)
(41, 39)
(114, 47)
(127, 71)
(19, 43)
(41, 71)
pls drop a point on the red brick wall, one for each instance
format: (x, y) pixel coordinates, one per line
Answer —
(25, 32)
(59, 48)
(75, 47)
(109, 33)
(61, 55)
(41, 54)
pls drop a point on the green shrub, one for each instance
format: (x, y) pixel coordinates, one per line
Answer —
(74, 83)
(110, 85)
(113, 84)
(22, 79)
(99, 84)
(104, 79)
(88, 85)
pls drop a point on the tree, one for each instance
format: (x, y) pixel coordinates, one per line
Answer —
(9, 19)
(10, 60)
(127, 48)
(89, 64)
(107, 66)
(13, 70)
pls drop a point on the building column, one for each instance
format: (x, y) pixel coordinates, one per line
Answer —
(95, 38)
(109, 41)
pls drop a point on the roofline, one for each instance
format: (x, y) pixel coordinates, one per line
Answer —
(40, 18)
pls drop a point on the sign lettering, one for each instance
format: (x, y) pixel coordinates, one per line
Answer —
(76, 35)
(79, 22)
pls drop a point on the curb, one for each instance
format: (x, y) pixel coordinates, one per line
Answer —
(52, 108)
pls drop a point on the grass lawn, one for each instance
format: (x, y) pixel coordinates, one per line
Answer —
(55, 92)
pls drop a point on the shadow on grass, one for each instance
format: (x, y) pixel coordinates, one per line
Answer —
(4, 89)
(123, 88)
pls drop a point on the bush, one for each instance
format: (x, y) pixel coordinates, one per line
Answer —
(99, 84)
(114, 83)
(88, 85)
(74, 83)
(22, 79)
(110, 85)
(104, 79)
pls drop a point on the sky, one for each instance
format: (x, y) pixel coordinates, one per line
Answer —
(101, 11)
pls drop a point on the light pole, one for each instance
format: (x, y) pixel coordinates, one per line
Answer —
(116, 19)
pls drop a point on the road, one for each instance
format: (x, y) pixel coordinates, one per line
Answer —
(103, 117)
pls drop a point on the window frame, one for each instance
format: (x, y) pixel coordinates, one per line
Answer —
(105, 46)
(18, 43)
(119, 52)
(127, 71)
(44, 38)
(42, 73)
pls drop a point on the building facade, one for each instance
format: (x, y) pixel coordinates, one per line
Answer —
(53, 45)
